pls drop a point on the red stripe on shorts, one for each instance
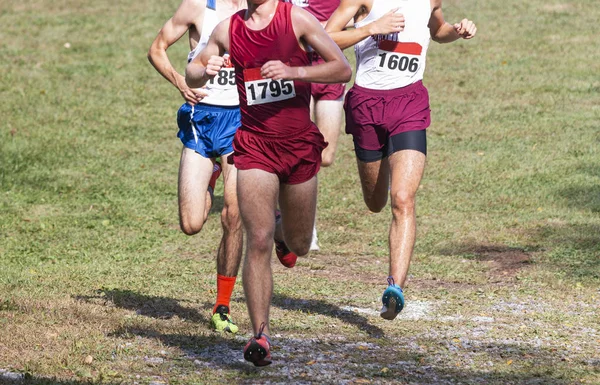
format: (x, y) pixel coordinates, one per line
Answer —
(400, 47)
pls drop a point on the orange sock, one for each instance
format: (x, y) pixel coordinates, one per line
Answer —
(224, 289)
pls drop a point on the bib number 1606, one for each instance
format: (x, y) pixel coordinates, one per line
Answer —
(397, 56)
(393, 61)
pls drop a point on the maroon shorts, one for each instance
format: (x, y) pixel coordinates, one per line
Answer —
(326, 91)
(373, 116)
(293, 159)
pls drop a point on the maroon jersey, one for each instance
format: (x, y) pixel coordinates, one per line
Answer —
(271, 108)
(321, 9)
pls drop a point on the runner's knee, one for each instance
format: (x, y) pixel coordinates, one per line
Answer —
(403, 203)
(300, 245)
(375, 203)
(260, 240)
(230, 218)
(300, 249)
(328, 158)
(189, 226)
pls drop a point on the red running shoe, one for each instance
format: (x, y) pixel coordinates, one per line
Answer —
(285, 256)
(258, 349)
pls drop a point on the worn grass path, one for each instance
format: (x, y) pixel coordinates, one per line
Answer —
(98, 285)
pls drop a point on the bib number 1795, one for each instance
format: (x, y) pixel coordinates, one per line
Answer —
(261, 91)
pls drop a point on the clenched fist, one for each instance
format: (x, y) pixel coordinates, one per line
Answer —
(214, 65)
(465, 29)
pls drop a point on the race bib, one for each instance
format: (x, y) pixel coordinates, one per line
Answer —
(299, 3)
(225, 79)
(394, 57)
(260, 90)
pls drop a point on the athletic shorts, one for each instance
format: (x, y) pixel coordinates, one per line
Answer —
(208, 129)
(326, 91)
(293, 159)
(375, 117)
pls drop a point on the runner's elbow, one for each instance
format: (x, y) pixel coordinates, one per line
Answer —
(155, 55)
(192, 76)
(346, 74)
(151, 59)
(150, 55)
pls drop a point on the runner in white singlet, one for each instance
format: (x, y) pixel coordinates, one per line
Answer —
(207, 123)
(387, 111)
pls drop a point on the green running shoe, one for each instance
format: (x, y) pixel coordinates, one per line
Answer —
(221, 320)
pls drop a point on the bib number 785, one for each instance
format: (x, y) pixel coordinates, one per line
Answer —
(261, 91)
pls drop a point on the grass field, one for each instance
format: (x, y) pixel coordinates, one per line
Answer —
(98, 285)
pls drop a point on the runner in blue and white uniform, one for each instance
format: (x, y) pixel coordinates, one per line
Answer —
(207, 123)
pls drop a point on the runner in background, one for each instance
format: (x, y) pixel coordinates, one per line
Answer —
(387, 111)
(327, 100)
(207, 122)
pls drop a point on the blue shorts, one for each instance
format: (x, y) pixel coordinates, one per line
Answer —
(211, 129)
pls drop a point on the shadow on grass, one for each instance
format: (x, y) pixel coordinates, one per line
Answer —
(583, 196)
(325, 308)
(150, 306)
(574, 249)
(343, 360)
(213, 350)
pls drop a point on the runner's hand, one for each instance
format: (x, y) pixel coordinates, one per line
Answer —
(391, 22)
(276, 70)
(215, 63)
(465, 29)
(192, 96)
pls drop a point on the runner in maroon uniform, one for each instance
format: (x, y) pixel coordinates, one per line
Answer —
(277, 150)
(327, 99)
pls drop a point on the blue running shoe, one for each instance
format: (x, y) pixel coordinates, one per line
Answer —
(393, 300)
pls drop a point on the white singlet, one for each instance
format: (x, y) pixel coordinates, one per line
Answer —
(385, 62)
(222, 90)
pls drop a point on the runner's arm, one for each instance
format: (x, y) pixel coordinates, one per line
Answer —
(444, 32)
(389, 23)
(210, 60)
(336, 68)
(172, 31)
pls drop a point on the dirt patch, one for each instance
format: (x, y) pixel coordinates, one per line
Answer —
(504, 262)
